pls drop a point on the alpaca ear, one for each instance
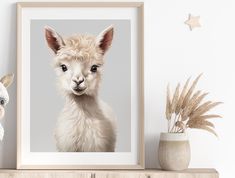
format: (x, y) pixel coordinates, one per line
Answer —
(7, 80)
(104, 39)
(54, 40)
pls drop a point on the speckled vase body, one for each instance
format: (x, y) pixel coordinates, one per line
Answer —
(174, 151)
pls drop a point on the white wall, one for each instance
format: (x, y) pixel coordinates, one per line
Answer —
(172, 53)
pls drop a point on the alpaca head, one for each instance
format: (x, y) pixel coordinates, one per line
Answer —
(4, 97)
(79, 59)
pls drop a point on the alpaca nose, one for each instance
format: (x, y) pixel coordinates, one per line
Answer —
(79, 80)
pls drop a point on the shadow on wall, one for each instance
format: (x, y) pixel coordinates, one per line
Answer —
(8, 146)
(151, 151)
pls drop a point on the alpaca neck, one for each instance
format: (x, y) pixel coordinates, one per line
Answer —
(88, 104)
(85, 100)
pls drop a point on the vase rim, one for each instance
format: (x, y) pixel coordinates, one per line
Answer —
(166, 136)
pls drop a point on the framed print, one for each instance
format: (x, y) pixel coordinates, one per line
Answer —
(80, 85)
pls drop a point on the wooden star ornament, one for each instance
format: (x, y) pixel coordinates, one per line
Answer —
(193, 22)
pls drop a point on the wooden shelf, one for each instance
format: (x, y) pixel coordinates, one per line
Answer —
(148, 173)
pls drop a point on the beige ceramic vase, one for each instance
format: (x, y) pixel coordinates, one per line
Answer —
(174, 151)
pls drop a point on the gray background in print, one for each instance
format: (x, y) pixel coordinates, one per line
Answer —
(46, 102)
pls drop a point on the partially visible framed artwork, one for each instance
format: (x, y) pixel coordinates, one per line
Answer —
(80, 85)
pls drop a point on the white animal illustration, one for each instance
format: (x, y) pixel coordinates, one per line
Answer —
(86, 123)
(5, 82)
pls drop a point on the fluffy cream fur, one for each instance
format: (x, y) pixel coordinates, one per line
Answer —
(4, 97)
(86, 124)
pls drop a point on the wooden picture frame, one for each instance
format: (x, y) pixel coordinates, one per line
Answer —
(29, 13)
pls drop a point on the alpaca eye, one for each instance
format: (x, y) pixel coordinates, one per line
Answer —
(94, 68)
(64, 67)
(2, 101)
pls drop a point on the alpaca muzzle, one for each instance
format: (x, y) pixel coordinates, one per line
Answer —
(79, 86)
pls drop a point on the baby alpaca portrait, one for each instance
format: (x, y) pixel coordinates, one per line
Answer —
(86, 123)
